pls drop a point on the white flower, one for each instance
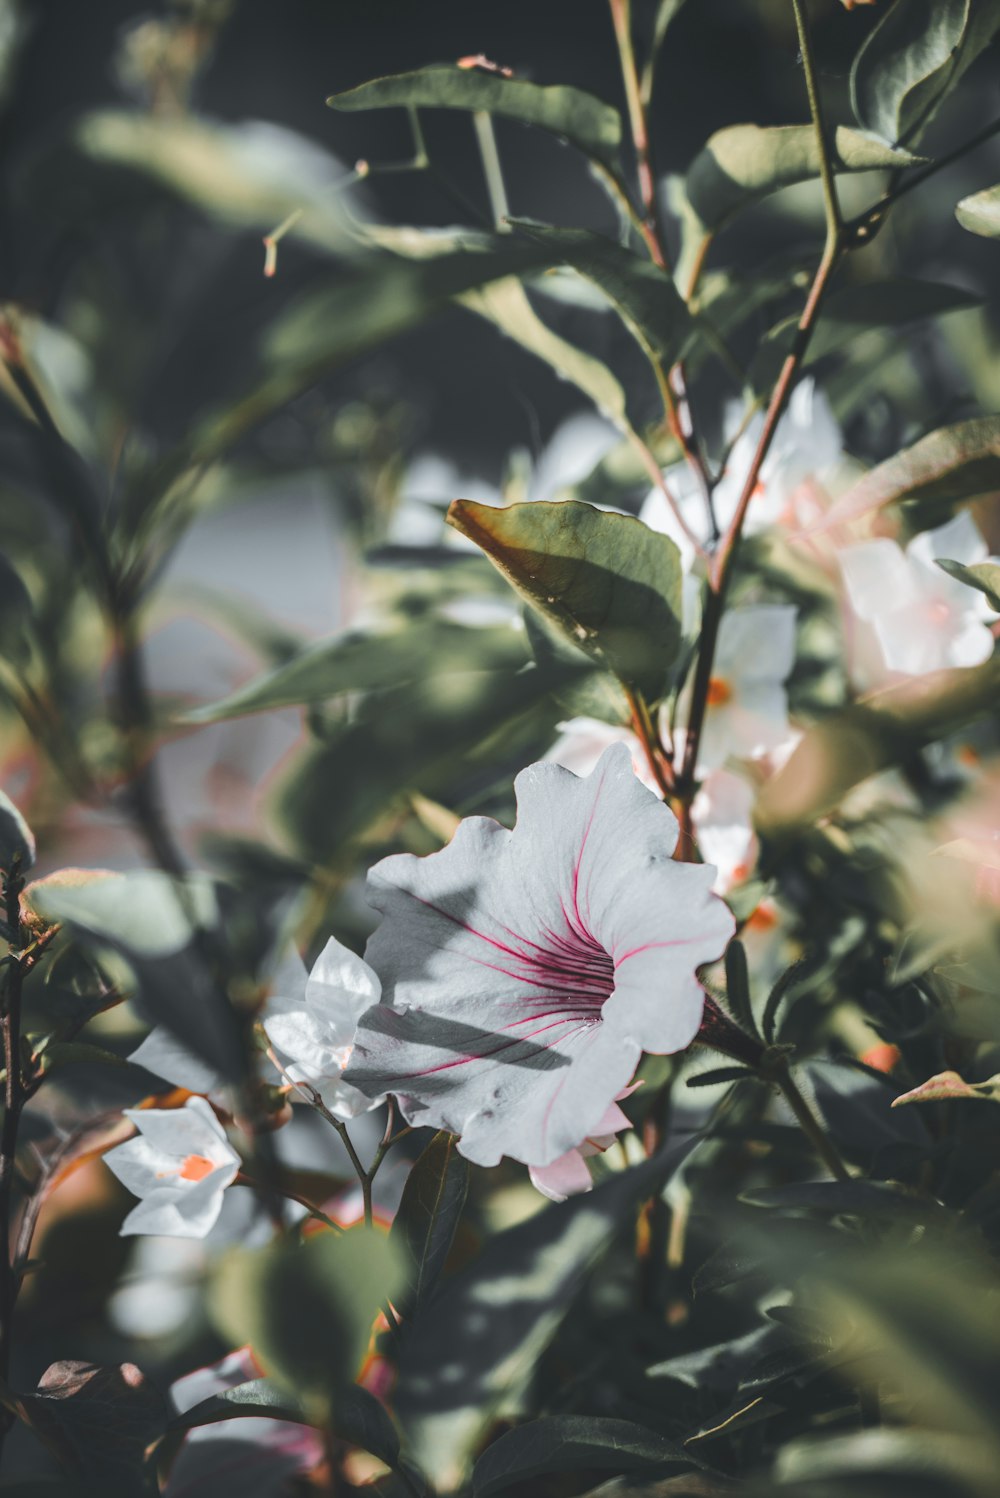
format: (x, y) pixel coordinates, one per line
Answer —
(525, 971)
(806, 445)
(923, 619)
(722, 815)
(747, 711)
(582, 741)
(179, 1164)
(570, 1174)
(314, 1025)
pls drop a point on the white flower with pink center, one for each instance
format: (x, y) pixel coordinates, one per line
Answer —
(524, 972)
(179, 1164)
(924, 620)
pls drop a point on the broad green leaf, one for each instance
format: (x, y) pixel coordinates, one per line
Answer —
(983, 576)
(579, 117)
(98, 1422)
(948, 1085)
(254, 174)
(607, 582)
(470, 1354)
(980, 212)
(837, 754)
(642, 294)
(951, 464)
(357, 661)
(744, 163)
(914, 57)
(17, 841)
(429, 1210)
(159, 927)
(307, 1308)
(568, 1443)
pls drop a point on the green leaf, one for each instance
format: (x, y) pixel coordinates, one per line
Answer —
(98, 1422)
(951, 464)
(251, 174)
(429, 1210)
(260, 1397)
(643, 295)
(568, 1443)
(607, 582)
(307, 1308)
(980, 212)
(719, 1075)
(17, 841)
(867, 1199)
(983, 576)
(15, 615)
(738, 986)
(69, 1052)
(886, 1461)
(471, 1353)
(913, 58)
(159, 926)
(742, 164)
(357, 661)
(837, 754)
(587, 122)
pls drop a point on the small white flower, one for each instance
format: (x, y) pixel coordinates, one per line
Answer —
(314, 1025)
(722, 813)
(923, 619)
(747, 712)
(179, 1164)
(582, 741)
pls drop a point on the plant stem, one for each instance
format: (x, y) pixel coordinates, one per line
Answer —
(489, 156)
(621, 19)
(810, 1125)
(14, 971)
(863, 228)
(722, 564)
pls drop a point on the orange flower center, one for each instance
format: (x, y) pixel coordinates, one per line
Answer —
(719, 691)
(196, 1168)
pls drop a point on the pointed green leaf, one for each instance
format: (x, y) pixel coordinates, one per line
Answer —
(913, 58)
(429, 1210)
(983, 576)
(951, 464)
(744, 163)
(569, 1443)
(17, 841)
(579, 117)
(307, 1308)
(607, 582)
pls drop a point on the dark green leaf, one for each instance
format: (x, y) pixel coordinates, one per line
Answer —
(429, 1210)
(587, 122)
(307, 1308)
(980, 213)
(915, 55)
(476, 1345)
(356, 661)
(17, 841)
(868, 1199)
(259, 1396)
(567, 1443)
(983, 576)
(68, 1052)
(718, 1075)
(15, 614)
(642, 294)
(98, 1422)
(738, 986)
(609, 583)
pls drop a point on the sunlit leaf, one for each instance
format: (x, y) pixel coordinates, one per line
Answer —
(607, 582)
(952, 464)
(744, 163)
(948, 1085)
(581, 118)
(983, 576)
(913, 58)
(307, 1308)
(980, 212)
(567, 1443)
(357, 661)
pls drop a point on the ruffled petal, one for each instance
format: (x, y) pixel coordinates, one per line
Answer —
(567, 1176)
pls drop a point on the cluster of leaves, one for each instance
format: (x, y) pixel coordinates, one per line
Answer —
(711, 1317)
